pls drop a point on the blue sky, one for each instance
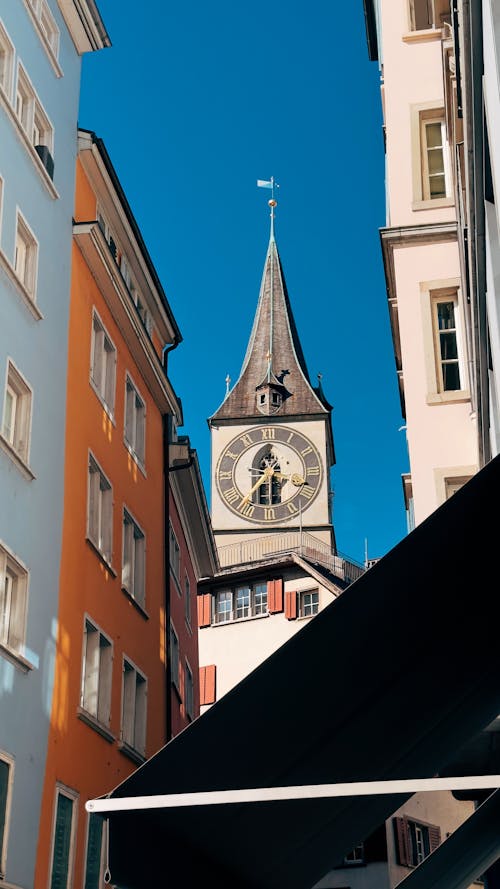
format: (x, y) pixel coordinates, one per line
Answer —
(195, 102)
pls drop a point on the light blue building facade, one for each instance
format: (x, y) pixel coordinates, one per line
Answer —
(41, 44)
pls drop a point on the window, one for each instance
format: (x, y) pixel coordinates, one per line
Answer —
(96, 673)
(175, 555)
(34, 121)
(174, 656)
(269, 492)
(6, 778)
(223, 606)
(100, 510)
(309, 603)
(13, 601)
(189, 691)
(6, 62)
(134, 420)
(49, 27)
(356, 855)
(242, 596)
(446, 342)
(134, 707)
(103, 363)
(430, 157)
(63, 841)
(94, 858)
(133, 568)
(187, 601)
(25, 256)
(415, 840)
(426, 14)
(434, 156)
(16, 419)
(452, 485)
(242, 602)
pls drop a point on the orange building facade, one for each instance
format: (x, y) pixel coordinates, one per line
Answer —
(112, 703)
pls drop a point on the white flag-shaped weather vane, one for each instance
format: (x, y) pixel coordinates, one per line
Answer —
(268, 183)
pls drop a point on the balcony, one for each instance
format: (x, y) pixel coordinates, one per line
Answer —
(304, 544)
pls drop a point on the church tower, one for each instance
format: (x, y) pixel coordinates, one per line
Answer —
(272, 441)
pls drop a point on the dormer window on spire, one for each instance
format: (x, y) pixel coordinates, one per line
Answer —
(270, 397)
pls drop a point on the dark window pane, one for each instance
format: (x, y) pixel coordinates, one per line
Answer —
(446, 316)
(448, 345)
(451, 377)
(94, 844)
(4, 785)
(62, 842)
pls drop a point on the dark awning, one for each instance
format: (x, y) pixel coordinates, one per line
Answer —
(387, 682)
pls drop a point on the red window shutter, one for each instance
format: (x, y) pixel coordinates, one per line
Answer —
(275, 595)
(290, 605)
(204, 610)
(207, 685)
(402, 841)
(434, 837)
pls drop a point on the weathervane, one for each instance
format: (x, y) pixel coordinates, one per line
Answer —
(269, 183)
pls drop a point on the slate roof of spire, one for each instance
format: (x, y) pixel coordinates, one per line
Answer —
(273, 333)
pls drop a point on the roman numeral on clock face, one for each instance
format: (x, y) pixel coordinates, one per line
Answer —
(307, 492)
(231, 495)
(225, 475)
(246, 509)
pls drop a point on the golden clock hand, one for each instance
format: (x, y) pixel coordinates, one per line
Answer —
(268, 472)
(297, 480)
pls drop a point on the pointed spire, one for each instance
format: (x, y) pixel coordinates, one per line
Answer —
(273, 378)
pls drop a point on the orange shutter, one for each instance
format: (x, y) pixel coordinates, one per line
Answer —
(207, 685)
(402, 841)
(290, 605)
(434, 837)
(275, 595)
(204, 610)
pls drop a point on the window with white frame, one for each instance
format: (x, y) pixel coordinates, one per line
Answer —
(134, 697)
(135, 415)
(446, 340)
(13, 601)
(223, 606)
(175, 555)
(241, 602)
(16, 416)
(309, 603)
(434, 149)
(103, 363)
(133, 563)
(33, 119)
(188, 690)
(187, 600)
(25, 255)
(96, 673)
(63, 839)
(100, 510)
(174, 656)
(6, 780)
(6, 62)
(49, 27)
(94, 856)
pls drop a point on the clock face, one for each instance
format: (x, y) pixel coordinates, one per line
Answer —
(269, 474)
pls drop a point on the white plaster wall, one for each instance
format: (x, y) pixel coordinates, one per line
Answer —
(441, 436)
(412, 75)
(238, 647)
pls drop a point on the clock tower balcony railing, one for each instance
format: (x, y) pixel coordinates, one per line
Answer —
(301, 542)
